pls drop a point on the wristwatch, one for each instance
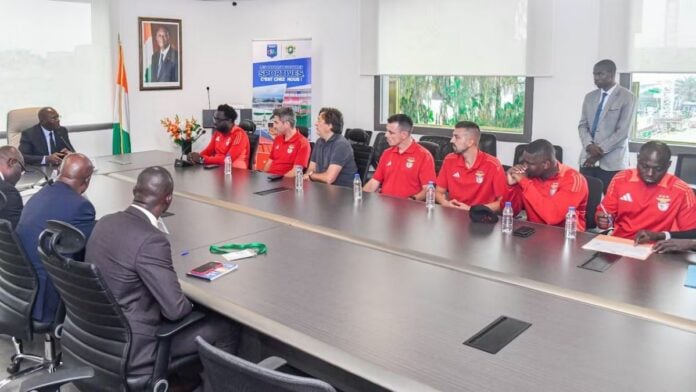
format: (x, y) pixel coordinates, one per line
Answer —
(200, 160)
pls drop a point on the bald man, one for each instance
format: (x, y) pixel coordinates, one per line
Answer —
(61, 201)
(11, 168)
(132, 251)
(46, 143)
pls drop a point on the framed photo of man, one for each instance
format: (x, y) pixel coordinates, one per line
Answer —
(160, 53)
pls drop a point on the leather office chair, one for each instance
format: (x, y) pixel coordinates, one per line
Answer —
(435, 152)
(248, 126)
(519, 149)
(441, 141)
(96, 334)
(226, 372)
(19, 120)
(686, 168)
(380, 145)
(363, 156)
(358, 136)
(488, 144)
(253, 146)
(304, 131)
(594, 197)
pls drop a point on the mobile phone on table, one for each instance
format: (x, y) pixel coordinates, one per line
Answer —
(275, 177)
(523, 231)
(207, 267)
(210, 167)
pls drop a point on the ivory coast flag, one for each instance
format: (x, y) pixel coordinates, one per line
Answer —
(147, 55)
(121, 135)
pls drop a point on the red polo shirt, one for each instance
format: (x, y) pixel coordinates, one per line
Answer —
(235, 143)
(288, 153)
(635, 205)
(482, 183)
(547, 200)
(405, 174)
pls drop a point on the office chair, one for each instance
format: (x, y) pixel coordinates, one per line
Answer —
(686, 168)
(358, 136)
(304, 131)
(248, 126)
(434, 150)
(519, 149)
(17, 121)
(96, 334)
(363, 156)
(488, 144)
(594, 197)
(226, 372)
(380, 145)
(253, 146)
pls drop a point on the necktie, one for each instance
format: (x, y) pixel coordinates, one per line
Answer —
(597, 114)
(159, 67)
(53, 143)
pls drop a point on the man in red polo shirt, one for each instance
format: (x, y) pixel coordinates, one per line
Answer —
(405, 168)
(469, 176)
(545, 188)
(290, 148)
(648, 198)
(228, 139)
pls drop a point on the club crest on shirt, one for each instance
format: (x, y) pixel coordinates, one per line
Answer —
(409, 162)
(553, 189)
(663, 202)
(217, 139)
(479, 176)
(291, 148)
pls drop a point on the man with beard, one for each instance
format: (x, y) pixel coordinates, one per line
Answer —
(228, 139)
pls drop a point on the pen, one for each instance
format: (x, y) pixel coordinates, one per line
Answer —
(184, 253)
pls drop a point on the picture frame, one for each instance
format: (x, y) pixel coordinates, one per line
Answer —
(161, 52)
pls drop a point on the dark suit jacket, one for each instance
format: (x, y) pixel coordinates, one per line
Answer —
(59, 202)
(33, 145)
(170, 66)
(14, 205)
(135, 259)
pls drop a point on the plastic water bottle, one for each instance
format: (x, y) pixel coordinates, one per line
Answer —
(228, 165)
(430, 195)
(508, 216)
(357, 187)
(571, 224)
(299, 181)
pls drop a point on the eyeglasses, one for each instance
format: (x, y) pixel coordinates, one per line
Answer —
(24, 169)
(219, 119)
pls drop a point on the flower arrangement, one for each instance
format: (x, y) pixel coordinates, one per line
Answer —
(185, 135)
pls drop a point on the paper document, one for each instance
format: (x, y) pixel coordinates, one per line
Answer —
(619, 246)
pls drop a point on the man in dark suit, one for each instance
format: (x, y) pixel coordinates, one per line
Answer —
(132, 252)
(11, 167)
(61, 201)
(46, 143)
(165, 61)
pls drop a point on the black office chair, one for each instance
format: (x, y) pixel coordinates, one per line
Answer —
(594, 187)
(358, 136)
(96, 334)
(380, 145)
(304, 131)
(488, 144)
(226, 372)
(519, 149)
(248, 126)
(253, 146)
(441, 141)
(434, 150)
(363, 156)
(19, 285)
(686, 168)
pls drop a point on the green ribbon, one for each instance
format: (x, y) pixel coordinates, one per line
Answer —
(226, 248)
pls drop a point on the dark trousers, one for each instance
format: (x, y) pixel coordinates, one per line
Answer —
(603, 175)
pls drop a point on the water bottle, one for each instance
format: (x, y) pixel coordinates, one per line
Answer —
(430, 195)
(299, 181)
(507, 218)
(228, 165)
(571, 224)
(357, 187)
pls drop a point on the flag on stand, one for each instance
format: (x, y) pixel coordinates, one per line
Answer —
(121, 135)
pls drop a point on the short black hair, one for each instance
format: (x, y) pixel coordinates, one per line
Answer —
(285, 114)
(541, 147)
(332, 117)
(404, 121)
(664, 154)
(229, 111)
(607, 64)
(471, 127)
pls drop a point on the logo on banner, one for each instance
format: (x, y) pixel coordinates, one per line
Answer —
(663, 202)
(409, 162)
(271, 50)
(290, 50)
(479, 177)
(554, 189)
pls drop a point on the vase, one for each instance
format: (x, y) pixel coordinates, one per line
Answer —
(186, 147)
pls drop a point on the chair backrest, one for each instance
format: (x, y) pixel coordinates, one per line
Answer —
(380, 145)
(19, 120)
(363, 156)
(519, 149)
(358, 136)
(686, 168)
(226, 372)
(95, 331)
(489, 144)
(594, 187)
(253, 146)
(248, 126)
(434, 149)
(304, 131)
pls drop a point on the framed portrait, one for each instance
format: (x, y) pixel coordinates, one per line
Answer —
(160, 53)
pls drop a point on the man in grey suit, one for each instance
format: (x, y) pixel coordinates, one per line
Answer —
(132, 251)
(606, 119)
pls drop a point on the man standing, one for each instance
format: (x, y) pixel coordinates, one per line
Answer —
(406, 167)
(648, 198)
(546, 188)
(469, 176)
(332, 160)
(46, 143)
(165, 61)
(289, 148)
(132, 251)
(606, 119)
(11, 167)
(61, 201)
(228, 139)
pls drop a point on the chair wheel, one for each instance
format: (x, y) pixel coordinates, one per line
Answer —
(13, 368)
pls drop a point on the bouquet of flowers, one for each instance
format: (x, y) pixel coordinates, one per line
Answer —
(183, 136)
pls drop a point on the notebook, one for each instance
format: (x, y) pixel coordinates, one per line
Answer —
(212, 270)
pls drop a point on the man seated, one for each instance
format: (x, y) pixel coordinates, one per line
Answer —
(676, 241)
(289, 148)
(61, 201)
(406, 167)
(647, 198)
(332, 160)
(227, 139)
(46, 143)
(134, 257)
(11, 168)
(469, 176)
(546, 188)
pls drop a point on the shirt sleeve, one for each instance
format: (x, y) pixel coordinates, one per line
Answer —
(686, 217)
(552, 212)
(442, 181)
(302, 157)
(239, 151)
(427, 170)
(379, 172)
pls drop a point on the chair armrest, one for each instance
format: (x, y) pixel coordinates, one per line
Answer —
(169, 329)
(272, 363)
(52, 381)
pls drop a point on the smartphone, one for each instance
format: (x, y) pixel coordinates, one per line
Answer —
(209, 167)
(275, 177)
(523, 231)
(207, 267)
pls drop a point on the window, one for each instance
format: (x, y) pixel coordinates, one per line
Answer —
(498, 104)
(666, 107)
